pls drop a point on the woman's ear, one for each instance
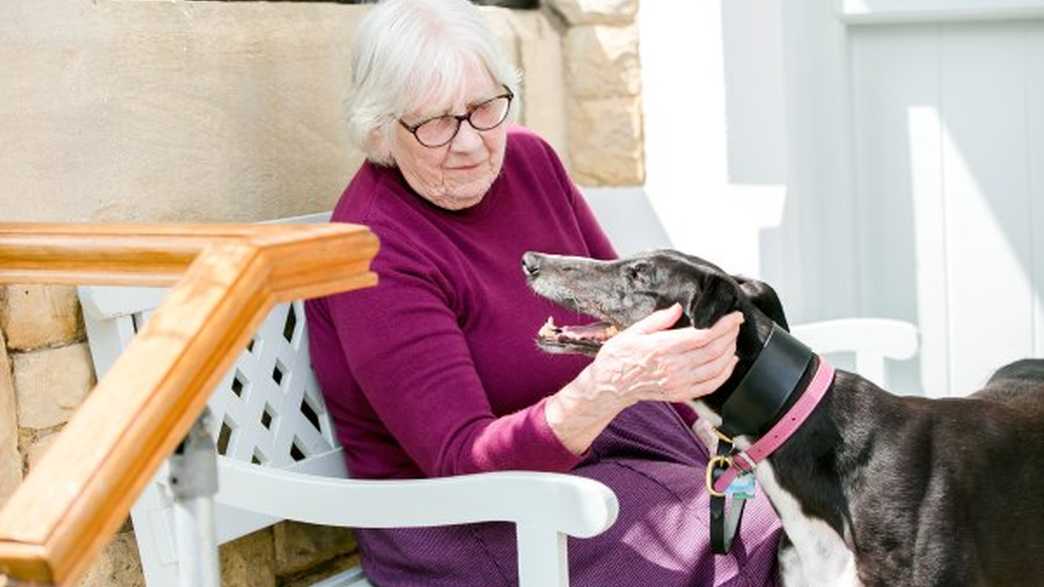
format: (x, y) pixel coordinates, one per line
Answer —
(764, 298)
(379, 145)
(717, 296)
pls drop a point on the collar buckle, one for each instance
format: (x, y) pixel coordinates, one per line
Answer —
(718, 462)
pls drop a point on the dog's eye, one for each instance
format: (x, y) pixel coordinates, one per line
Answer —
(636, 271)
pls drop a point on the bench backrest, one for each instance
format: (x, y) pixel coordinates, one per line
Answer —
(267, 410)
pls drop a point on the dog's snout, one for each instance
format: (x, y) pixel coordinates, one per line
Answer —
(530, 264)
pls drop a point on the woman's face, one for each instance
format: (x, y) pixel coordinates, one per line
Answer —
(456, 175)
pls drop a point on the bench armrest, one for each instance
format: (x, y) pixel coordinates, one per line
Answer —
(545, 507)
(871, 339)
(569, 504)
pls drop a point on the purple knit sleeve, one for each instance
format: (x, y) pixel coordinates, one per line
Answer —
(409, 356)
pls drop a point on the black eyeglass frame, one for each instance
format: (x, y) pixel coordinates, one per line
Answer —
(412, 128)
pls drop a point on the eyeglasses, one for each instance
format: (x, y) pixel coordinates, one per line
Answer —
(440, 130)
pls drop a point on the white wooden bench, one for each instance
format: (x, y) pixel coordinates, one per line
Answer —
(279, 458)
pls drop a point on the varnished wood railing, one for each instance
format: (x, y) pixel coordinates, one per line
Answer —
(226, 278)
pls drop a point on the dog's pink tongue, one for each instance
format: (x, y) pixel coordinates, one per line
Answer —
(598, 330)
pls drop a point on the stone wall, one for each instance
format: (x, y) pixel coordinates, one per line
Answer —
(139, 111)
(604, 106)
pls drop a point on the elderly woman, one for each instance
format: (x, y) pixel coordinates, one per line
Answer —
(434, 372)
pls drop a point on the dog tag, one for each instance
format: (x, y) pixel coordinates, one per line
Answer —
(742, 487)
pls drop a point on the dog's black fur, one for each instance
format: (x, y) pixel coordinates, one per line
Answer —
(922, 491)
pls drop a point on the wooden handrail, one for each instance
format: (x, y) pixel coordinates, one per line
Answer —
(226, 278)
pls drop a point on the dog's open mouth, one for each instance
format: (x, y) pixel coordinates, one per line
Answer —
(586, 338)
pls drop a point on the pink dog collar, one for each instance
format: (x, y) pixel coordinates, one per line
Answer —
(786, 426)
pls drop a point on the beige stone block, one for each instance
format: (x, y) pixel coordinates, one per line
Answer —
(602, 61)
(542, 103)
(301, 546)
(118, 566)
(38, 449)
(499, 22)
(50, 384)
(577, 12)
(10, 459)
(34, 316)
(606, 141)
(248, 561)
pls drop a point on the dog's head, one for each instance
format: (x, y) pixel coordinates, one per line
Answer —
(624, 291)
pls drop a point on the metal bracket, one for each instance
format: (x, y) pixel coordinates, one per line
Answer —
(193, 466)
(193, 483)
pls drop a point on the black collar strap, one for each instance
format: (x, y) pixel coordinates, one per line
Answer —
(760, 396)
(751, 410)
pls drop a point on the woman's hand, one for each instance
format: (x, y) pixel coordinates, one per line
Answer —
(644, 362)
(649, 362)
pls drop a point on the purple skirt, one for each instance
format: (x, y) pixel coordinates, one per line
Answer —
(661, 538)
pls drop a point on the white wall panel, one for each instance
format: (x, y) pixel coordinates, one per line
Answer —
(1034, 74)
(899, 187)
(817, 275)
(987, 199)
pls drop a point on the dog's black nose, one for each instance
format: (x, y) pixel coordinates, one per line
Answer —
(530, 264)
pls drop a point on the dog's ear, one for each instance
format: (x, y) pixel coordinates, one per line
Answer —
(718, 296)
(764, 297)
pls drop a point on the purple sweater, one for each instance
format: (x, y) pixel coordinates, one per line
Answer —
(434, 371)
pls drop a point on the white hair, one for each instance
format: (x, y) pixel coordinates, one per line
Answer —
(408, 53)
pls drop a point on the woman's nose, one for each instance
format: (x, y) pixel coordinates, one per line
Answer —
(467, 139)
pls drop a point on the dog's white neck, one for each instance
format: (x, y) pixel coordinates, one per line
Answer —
(817, 555)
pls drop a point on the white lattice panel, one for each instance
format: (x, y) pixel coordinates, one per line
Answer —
(268, 409)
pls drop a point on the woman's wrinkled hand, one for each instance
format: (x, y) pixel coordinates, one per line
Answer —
(647, 361)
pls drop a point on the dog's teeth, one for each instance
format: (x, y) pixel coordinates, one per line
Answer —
(548, 329)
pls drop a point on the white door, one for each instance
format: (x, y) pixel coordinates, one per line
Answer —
(915, 177)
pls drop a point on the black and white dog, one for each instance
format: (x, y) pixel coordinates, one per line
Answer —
(872, 489)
